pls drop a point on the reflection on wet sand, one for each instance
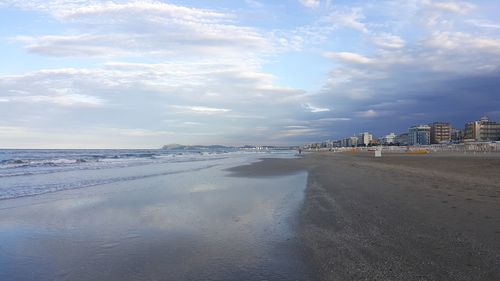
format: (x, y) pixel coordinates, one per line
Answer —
(193, 226)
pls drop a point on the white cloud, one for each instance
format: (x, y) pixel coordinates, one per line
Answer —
(156, 10)
(189, 123)
(142, 133)
(463, 41)
(351, 18)
(483, 23)
(71, 9)
(310, 3)
(254, 3)
(63, 100)
(334, 119)
(315, 109)
(458, 7)
(60, 96)
(370, 113)
(138, 96)
(146, 28)
(288, 133)
(349, 57)
(201, 109)
(105, 45)
(389, 41)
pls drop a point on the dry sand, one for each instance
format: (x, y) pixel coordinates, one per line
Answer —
(399, 217)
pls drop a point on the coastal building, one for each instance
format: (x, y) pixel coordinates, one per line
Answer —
(325, 144)
(457, 135)
(329, 144)
(375, 142)
(482, 130)
(337, 143)
(364, 139)
(402, 139)
(419, 135)
(344, 142)
(389, 139)
(440, 132)
(352, 142)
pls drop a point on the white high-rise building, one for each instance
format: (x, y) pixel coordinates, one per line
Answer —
(389, 139)
(364, 139)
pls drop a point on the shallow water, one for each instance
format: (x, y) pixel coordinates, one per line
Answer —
(196, 225)
(33, 172)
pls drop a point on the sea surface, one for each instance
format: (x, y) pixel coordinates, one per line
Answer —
(33, 172)
(147, 215)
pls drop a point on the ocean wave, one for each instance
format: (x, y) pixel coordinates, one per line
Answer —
(27, 173)
(51, 167)
(30, 190)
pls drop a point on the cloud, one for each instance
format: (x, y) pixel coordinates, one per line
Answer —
(334, 119)
(254, 4)
(443, 13)
(315, 109)
(60, 99)
(483, 23)
(418, 73)
(369, 113)
(80, 45)
(389, 41)
(134, 98)
(148, 28)
(143, 133)
(156, 71)
(458, 7)
(300, 132)
(351, 18)
(310, 3)
(17, 90)
(348, 57)
(201, 109)
(463, 41)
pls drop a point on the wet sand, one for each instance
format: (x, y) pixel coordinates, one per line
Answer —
(197, 225)
(399, 217)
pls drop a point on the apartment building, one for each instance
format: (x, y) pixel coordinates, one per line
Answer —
(440, 132)
(482, 130)
(419, 135)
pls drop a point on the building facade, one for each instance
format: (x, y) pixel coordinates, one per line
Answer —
(364, 139)
(457, 135)
(419, 135)
(402, 139)
(440, 132)
(389, 139)
(482, 130)
(352, 142)
(344, 142)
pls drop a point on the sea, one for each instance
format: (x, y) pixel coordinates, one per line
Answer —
(30, 172)
(142, 215)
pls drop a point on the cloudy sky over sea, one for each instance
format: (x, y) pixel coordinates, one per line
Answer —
(77, 73)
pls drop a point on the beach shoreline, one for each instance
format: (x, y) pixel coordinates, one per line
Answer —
(399, 217)
(321, 216)
(190, 222)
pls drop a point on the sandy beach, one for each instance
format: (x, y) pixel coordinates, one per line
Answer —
(399, 217)
(323, 216)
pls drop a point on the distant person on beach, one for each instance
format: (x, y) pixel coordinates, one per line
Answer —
(300, 151)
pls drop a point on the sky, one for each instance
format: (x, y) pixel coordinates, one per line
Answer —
(141, 74)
